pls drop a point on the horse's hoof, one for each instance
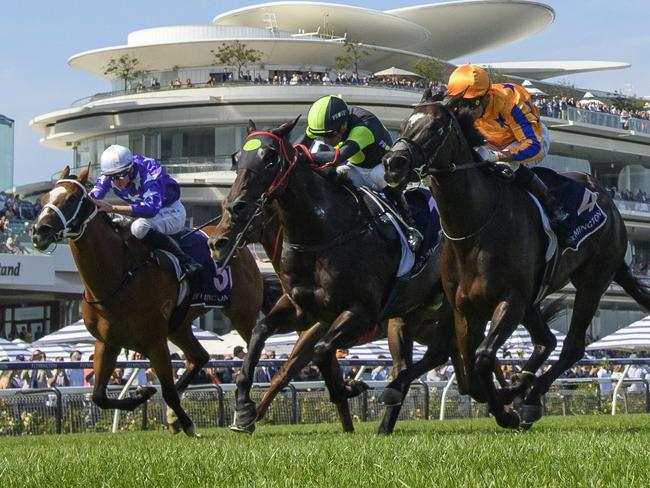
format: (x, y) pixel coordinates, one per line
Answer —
(355, 388)
(247, 429)
(509, 420)
(531, 412)
(391, 397)
(525, 425)
(244, 419)
(190, 431)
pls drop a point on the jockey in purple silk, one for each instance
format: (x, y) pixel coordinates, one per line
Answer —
(152, 197)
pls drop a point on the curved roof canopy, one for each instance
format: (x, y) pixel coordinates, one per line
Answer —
(358, 24)
(443, 30)
(540, 70)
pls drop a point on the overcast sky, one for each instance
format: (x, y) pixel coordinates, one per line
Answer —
(39, 36)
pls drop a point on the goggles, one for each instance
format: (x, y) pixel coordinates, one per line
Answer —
(120, 176)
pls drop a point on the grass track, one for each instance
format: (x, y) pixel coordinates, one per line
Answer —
(562, 452)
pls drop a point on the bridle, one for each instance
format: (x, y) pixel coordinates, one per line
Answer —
(427, 167)
(287, 165)
(68, 231)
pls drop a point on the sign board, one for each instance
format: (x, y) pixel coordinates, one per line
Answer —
(24, 269)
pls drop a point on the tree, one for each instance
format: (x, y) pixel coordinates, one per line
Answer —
(125, 67)
(354, 53)
(496, 76)
(236, 54)
(431, 69)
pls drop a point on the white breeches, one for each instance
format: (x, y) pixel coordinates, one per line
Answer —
(169, 220)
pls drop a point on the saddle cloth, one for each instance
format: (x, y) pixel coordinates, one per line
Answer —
(212, 287)
(427, 220)
(585, 218)
(581, 203)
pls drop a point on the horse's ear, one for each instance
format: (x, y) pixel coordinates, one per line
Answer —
(65, 173)
(452, 102)
(426, 96)
(285, 129)
(251, 126)
(83, 176)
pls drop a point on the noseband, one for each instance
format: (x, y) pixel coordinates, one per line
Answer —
(67, 232)
(288, 164)
(427, 167)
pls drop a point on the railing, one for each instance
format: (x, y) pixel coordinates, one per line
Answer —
(574, 114)
(632, 206)
(120, 93)
(68, 410)
(595, 118)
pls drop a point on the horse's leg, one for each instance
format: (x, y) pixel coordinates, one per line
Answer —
(194, 353)
(331, 371)
(104, 361)
(544, 343)
(400, 344)
(196, 358)
(161, 362)
(584, 307)
(506, 317)
(437, 353)
(283, 315)
(300, 357)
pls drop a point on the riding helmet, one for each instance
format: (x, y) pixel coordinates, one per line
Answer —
(469, 80)
(115, 159)
(327, 115)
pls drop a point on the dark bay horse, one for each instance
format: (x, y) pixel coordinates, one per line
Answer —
(493, 258)
(337, 269)
(129, 301)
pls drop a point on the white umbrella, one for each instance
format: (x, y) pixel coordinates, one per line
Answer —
(532, 89)
(634, 337)
(519, 344)
(281, 343)
(225, 347)
(9, 350)
(69, 334)
(372, 350)
(393, 71)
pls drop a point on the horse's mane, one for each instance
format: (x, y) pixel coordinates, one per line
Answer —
(466, 122)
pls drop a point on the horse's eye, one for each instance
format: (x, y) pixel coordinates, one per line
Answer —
(270, 158)
(234, 158)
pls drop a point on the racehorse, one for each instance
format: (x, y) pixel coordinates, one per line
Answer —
(337, 267)
(130, 302)
(493, 258)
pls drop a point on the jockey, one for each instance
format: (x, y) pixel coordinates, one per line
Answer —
(360, 141)
(153, 199)
(515, 137)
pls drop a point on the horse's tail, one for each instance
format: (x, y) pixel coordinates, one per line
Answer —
(272, 292)
(551, 310)
(633, 286)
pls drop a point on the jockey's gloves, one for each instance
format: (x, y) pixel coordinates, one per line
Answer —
(487, 154)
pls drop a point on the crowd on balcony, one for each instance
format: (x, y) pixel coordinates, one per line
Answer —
(557, 107)
(16, 215)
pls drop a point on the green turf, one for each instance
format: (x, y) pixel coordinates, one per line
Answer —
(559, 451)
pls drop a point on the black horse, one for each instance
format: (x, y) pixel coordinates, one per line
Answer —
(493, 259)
(339, 268)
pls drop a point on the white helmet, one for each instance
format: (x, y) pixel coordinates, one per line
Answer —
(115, 159)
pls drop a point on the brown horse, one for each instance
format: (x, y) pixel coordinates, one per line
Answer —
(493, 259)
(337, 268)
(130, 302)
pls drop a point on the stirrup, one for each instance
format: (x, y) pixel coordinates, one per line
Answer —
(190, 268)
(414, 239)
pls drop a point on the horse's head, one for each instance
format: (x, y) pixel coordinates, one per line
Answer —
(429, 139)
(67, 208)
(263, 166)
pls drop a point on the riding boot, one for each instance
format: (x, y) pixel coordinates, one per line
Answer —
(413, 235)
(557, 216)
(158, 240)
